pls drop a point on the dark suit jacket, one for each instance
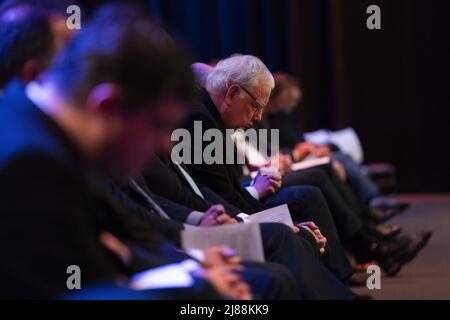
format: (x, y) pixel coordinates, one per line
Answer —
(224, 179)
(135, 204)
(166, 180)
(52, 211)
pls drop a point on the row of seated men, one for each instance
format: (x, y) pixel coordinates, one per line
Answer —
(87, 178)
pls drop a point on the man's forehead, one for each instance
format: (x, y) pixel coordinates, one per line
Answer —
(262, 93)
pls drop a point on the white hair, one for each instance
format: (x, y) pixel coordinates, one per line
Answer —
(245, 70)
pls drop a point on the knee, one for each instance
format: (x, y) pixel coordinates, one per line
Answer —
(312, 193)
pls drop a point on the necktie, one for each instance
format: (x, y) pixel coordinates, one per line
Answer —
(152, 204)
(189, 180)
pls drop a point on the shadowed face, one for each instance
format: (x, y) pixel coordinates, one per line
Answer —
(139, 136)
(244, 106)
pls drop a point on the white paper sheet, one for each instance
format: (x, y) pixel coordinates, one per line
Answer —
(346, 139)
(244, 238)
(278, 214)
(310, 163)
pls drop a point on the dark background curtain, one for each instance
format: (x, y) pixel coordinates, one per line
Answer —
(391, 85)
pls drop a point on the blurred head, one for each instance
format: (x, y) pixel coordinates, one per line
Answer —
(126, 77)
(240, 87)
(31, 33)
(201, 72)
(286, 95)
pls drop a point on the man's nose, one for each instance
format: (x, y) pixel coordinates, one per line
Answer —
(257, 116)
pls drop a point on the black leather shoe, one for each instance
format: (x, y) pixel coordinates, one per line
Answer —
(378, 215)
(380, 249)
(400, 206)
(387, 255)
(392, 265)
(383, 232)
(418, 242)
(359, 279)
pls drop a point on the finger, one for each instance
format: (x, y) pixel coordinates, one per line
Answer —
(227, 251)
(323, 242)
(310, 225)
(243, 291)
(317, 232)
(212, 213)
(235, 268)
(220, 208)
(234, 260)
(275, 176)
(223, 218)
(275, 184)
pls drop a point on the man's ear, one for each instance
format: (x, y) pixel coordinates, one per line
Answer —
(231, 93)
(105, 98)
(31, 70)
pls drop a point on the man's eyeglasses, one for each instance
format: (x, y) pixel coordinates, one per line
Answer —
(255, 104)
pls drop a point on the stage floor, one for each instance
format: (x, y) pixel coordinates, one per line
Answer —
(427, 276)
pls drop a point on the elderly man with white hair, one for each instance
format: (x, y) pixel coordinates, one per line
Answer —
(236, 92)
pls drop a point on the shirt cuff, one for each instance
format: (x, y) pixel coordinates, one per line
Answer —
(253, 192)
(196, 254)
(244, 217)
(194, 218)
(189, 226)
(177, 275)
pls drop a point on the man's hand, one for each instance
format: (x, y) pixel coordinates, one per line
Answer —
(315, 231)
(220, 256)
(117, 247)
(253, 167)
(216, 216)
(302, 150)
(267, 185)
(228, 283)
(322, 151)
(340, 170)
(283, 162)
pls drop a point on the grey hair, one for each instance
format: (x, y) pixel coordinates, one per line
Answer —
(245, 70)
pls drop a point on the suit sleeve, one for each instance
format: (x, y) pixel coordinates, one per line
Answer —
(163, 181)
(45, 229)
(143, 222)
(216, 176)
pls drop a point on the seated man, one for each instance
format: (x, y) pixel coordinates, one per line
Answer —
(237, 90)
(31, 35)
(173, 181)
(281, 115)
(280, 244)
(80, 123)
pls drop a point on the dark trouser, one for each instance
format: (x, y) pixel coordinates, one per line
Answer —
(346, 217)
(270, 281)
(363, 185)
(307, 203)
(200, 290)
(314, 280)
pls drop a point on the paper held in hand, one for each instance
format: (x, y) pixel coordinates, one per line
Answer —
(244, 238)
(278, 214)
(310, 163)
